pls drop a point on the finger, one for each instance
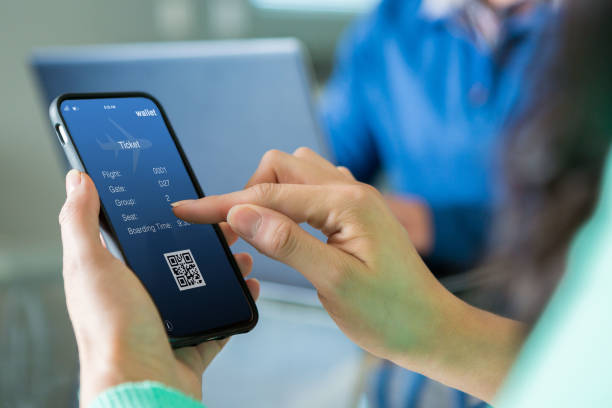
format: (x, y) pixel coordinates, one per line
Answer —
(245, 263)
(200, 356)
(280, 167)
(230, 236)
(277, 236)
(102, 240)
(309, 155)
(254, 287)
(79, 217)
(346, 172)
(301, 203)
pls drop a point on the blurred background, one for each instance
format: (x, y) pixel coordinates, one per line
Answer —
(426, 128)
(30, 208)
(38, 362)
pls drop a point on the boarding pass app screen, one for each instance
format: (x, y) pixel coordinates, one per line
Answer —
(129, 153)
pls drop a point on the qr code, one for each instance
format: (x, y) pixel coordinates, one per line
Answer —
(184, 269)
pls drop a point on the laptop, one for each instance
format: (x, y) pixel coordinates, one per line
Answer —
(228, 101)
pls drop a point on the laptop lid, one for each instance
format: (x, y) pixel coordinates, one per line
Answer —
(228, 101)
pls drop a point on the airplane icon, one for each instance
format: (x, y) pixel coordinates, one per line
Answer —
(115, 147)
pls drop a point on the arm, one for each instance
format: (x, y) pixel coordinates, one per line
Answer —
(473, 350)
(368, 275)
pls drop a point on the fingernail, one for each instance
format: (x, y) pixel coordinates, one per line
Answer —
(179, 203)
(73, 180)
(244, 220)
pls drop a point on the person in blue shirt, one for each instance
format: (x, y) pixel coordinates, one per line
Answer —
(422, 90)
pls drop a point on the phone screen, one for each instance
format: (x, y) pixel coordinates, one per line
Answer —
(128, 151)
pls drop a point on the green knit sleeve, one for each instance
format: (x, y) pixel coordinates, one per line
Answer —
(144, 395)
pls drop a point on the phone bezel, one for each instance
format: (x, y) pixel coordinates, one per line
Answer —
(109, 232)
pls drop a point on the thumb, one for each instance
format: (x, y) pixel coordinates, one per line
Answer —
(79, 218)
(279, 237)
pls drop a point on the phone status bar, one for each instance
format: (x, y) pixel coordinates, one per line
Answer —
(71, 108)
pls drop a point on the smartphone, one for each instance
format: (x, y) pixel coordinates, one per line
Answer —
(125, 143)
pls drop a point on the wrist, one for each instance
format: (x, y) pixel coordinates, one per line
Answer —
(467, 348)
(103, 369)
(430, 331)
(483, 350)
(97, 376)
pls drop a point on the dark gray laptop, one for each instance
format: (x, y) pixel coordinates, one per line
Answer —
(228, 101)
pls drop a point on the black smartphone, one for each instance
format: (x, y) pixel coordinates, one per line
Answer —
(125, 143)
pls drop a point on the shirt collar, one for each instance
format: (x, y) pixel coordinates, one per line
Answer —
(483, 25)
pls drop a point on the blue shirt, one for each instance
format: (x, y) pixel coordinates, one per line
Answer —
(421, 99)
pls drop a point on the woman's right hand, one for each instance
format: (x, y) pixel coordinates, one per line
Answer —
(368, 275)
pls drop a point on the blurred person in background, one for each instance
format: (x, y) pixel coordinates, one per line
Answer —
(370, 278)
(422, 91)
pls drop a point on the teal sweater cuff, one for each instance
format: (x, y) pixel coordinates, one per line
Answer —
(146, 394)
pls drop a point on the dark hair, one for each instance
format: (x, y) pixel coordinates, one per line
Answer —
(555, 158)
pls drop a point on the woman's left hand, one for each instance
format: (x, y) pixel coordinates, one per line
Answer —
(119, 332)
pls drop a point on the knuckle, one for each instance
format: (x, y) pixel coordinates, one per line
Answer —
(263, 192)
(68, 212)
(361, 203)
(76, 261)
(302, 151)
(271, 156)
(346, 172)
(360, 193)
(371, 190)
(88, 262)
(283, 243)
